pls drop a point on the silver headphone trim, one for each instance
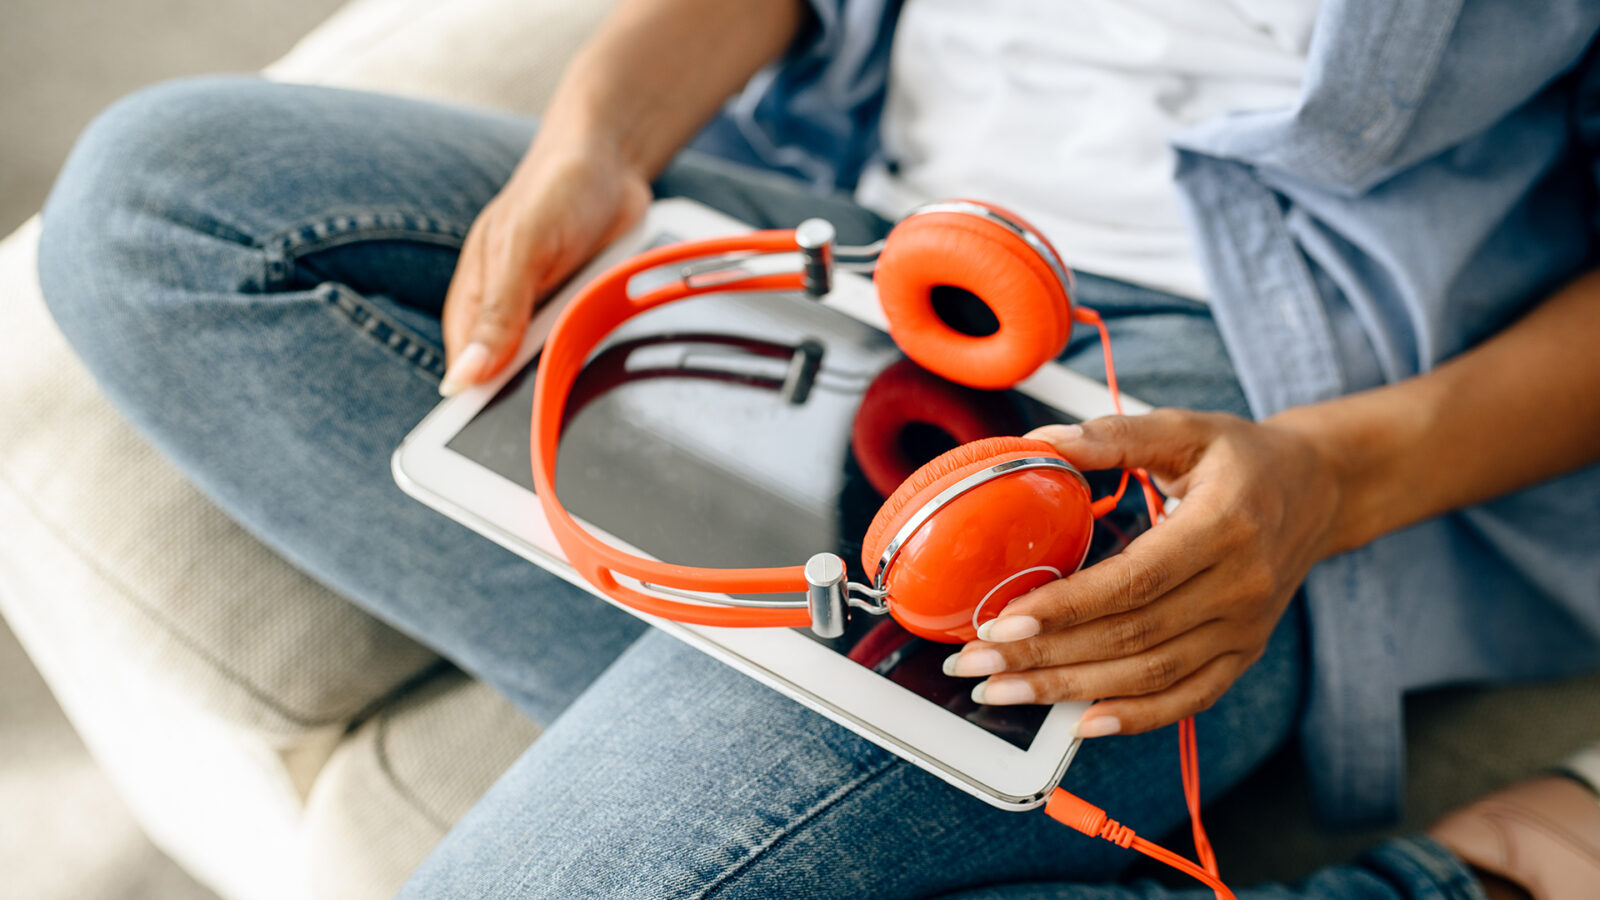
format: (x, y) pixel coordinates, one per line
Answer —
(820, 256)
(943, 498)
(722, 600)
(1031, 237)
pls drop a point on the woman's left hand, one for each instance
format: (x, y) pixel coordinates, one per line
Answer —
(1165, 627)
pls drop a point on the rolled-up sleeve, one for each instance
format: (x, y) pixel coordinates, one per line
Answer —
(814, 113)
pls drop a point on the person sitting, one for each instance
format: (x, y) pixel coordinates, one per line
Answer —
(1349, 248)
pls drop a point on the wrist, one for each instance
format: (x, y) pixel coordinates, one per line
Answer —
(579, 124)
(1351, 461)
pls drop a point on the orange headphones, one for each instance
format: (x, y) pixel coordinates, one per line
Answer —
(965, 534)
(957, 540)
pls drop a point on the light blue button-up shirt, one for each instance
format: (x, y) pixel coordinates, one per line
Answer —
(1436, 180)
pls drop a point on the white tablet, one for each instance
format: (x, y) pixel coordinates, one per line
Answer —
(744, 430)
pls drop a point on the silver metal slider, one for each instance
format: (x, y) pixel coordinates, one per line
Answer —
(815, 238)
(825, 594)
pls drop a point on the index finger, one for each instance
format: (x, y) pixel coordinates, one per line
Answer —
(1155, 563)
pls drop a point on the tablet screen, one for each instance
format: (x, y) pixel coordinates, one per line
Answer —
(756, 430)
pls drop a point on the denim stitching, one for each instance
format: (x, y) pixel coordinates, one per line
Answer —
(426, 359)
(1427, 867)
(794, 827)
(339, 229)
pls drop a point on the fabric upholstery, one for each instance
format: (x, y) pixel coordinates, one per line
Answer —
(399, 782)
(142, 556)
(495, 53)
(211, 680)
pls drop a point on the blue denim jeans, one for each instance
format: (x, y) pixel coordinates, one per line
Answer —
(254, 274)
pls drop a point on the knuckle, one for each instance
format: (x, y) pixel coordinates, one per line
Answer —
(499, 316)
(1168, 418)
(1142, 579)
(1130, 634)
(1188, 433)
(1065, 612)
(1022, 655)
(1247, 526)
(1258, 580)
(1055, 686)
(1160, 671)
(1115, 429)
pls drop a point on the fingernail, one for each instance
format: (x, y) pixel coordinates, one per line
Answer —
(1004, 692)
(464, 370)
(1099, 726)
(974, 663)
(1060, 432)
(1008, 628)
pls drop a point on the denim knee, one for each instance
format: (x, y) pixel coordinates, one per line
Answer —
(134, 183)
(134, 223)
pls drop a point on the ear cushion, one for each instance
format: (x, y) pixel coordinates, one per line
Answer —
(969, 252)
(926, 483)
(1027, 226)
(906, 394)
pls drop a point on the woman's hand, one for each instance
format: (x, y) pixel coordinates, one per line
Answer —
(1164, 628)
(651, 77)
(568, 197)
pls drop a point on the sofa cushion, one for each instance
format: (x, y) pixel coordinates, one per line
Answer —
(211, 680)
(136, 551)
(395, 786)
(503, 54)
(195, 599)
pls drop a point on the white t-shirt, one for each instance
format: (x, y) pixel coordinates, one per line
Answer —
(1063, 111)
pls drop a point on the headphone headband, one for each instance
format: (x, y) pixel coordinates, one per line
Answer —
(1005, 255)
(593, 314)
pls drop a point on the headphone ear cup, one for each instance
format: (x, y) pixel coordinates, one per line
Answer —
(965, 251)
(983, 548)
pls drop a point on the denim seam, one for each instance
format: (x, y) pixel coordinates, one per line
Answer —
(794, 827)
(338, 229)
(426, 359)
(206, 224)
(1422, 859)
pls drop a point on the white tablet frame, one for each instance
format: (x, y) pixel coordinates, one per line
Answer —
(957, 751)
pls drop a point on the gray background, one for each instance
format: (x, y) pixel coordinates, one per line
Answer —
(61, 61)
(63, 832)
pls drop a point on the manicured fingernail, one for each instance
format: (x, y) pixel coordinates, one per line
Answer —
(464, 370)
(1059, 432)
(1004, 692)
(974, 663)
(1099, 726)
(1008, 628)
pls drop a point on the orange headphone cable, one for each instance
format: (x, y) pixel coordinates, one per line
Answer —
(1075, 812)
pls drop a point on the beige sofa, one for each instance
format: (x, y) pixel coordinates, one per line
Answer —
(313, 751)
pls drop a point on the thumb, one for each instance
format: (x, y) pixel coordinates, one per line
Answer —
(1167, 442)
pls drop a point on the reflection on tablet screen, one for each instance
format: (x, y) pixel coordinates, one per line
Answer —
(755, 430)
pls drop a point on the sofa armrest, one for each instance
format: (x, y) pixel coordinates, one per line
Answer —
(494, 53)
